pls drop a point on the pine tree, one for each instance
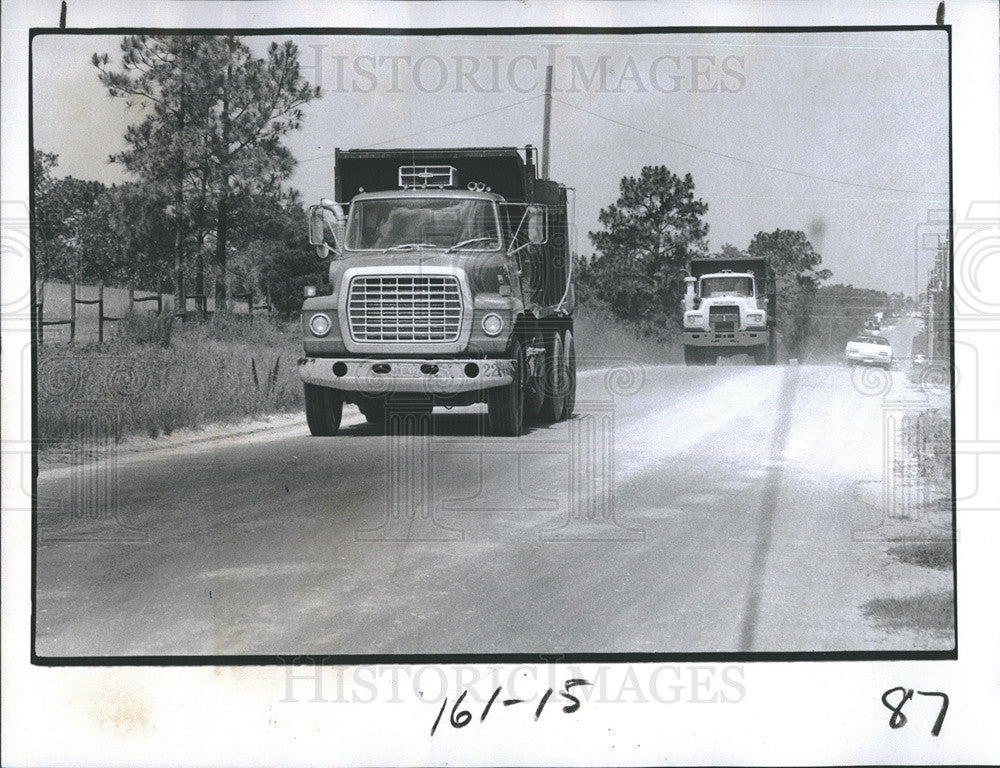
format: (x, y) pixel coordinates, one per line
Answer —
(210, 139)
(649, 235)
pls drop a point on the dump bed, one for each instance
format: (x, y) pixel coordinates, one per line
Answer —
(757, 267)
(503, 169)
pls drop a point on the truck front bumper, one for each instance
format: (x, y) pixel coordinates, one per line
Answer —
(381, 377)
(702, 338)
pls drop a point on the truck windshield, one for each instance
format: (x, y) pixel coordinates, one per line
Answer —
(712, 287)
(412, 223)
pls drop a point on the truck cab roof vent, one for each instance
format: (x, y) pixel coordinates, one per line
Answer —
(427, 176)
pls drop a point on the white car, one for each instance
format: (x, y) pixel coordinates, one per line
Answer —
(869, 350)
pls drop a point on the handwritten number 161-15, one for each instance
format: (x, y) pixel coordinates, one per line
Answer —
(462, 717)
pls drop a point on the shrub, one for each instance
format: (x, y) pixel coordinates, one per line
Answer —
(925, 439)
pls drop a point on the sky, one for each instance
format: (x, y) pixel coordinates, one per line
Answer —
(841, 135)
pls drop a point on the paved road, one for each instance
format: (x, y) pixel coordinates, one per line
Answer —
(684, 509)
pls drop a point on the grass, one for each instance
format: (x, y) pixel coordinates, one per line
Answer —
(156, 376)
(602, 341)
(938, 555)
(928, 611)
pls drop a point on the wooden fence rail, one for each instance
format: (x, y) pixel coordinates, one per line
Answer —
(72, 317)
(251, 306)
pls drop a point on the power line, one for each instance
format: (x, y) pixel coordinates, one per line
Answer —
(435, 127)
(743, 159)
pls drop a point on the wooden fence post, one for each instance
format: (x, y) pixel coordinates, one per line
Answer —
(131, 298)
(72, 310)
(181, 299)
(39, 324)
(100, 312)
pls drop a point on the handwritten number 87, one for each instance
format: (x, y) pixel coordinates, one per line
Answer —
(897, 719)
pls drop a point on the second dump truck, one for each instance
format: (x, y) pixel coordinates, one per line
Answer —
(730, 309)
(450, 283)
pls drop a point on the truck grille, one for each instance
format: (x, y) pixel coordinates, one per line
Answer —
(400, 308)
(724, 318)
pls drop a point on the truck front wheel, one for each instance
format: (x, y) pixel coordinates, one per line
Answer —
(505, 405)
(763, 355)
(324, 407)
(373, 411)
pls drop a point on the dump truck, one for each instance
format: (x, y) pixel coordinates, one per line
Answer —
(729, 309)
(449, 284)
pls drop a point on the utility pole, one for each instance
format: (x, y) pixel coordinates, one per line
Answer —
(930, 323)
(547, 122)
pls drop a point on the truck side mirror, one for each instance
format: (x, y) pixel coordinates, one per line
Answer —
(536, 225)
(316, 225)
(321, 234)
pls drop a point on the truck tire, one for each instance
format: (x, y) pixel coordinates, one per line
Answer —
(374, 412)
(554, 378)
(762, 355)
(505, 405)
(569, 352)
(324, 407)
(535, 390)
(772, 347)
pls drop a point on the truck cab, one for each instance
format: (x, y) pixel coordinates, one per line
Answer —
(449, 283)
(729, 310)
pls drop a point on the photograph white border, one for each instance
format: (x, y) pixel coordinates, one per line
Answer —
(789, 713)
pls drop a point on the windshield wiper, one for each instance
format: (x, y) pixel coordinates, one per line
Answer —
(470, 242)
(404, 246)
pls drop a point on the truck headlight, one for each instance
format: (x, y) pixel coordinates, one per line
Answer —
(692, 319)
(492, 324)
(757, 318)
(319, 324)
